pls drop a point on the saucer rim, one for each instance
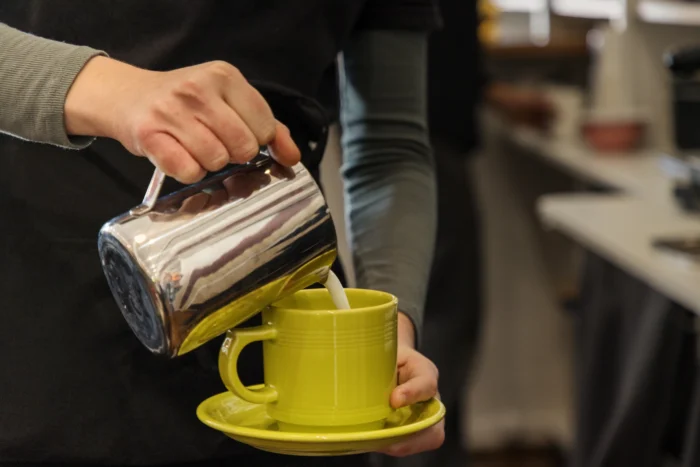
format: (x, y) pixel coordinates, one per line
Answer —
(257, 433)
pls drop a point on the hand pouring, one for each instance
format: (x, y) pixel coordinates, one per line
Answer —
(187, 267)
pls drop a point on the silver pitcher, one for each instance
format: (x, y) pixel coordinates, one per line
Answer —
(187, 267)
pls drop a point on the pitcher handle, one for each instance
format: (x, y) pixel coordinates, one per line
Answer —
(158, 178)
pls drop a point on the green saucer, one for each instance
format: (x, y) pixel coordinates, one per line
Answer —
(249, 423)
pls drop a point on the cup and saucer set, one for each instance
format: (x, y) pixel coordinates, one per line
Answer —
(329, 374)
(191, 266)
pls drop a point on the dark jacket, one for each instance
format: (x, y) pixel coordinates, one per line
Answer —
(456, 75)
(75, 384)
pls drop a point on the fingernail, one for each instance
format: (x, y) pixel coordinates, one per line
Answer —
(221, 161)
(272, 153)
(401, 400)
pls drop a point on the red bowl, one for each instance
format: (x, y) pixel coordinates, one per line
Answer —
(622, 136)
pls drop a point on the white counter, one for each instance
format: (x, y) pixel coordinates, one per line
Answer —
(639, 174)
(622, 226)
(622, 229)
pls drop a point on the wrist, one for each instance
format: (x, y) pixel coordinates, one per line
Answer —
(406, 331)
(93, 105)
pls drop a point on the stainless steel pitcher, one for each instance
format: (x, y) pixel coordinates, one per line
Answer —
(187, 267)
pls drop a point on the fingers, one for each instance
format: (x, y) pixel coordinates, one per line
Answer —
(201, 118)
(283, 148)
(256, 115)
(203, 145)
(427, 440)
(166, 153)
(234, 135)
(414, 390)
(242, 145)
(418, 380)
(251, 107)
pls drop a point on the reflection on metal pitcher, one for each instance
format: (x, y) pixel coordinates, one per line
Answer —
(189, 266)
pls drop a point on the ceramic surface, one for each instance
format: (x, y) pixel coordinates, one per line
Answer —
(250, 424)
(323, 367)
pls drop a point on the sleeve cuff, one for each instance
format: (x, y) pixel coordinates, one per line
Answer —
(66, 73)
(37, 73)
(416, 318)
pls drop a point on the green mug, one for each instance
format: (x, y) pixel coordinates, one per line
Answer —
(325, 369)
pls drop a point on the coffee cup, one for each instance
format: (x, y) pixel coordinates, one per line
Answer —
(325, 369)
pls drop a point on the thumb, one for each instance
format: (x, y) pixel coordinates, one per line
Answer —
(283, 148)
(418, 389)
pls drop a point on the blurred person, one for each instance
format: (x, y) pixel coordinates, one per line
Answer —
(452, 320)
(458, 85)
(173, 82)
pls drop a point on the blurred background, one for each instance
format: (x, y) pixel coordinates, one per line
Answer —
(588, 189)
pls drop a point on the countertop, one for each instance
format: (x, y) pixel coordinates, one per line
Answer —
(620, 226)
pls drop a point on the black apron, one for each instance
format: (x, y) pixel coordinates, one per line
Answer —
(76, 386)
(76, 383)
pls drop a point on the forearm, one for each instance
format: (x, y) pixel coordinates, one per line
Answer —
(35, 76)
(388, 169)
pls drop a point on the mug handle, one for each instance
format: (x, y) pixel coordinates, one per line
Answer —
(231, 348)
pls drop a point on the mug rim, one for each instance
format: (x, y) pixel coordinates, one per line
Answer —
(391, 300)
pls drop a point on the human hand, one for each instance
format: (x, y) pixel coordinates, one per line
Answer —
(187, 121)
(418, 381)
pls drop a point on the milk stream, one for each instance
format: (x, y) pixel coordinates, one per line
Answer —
(335, 288)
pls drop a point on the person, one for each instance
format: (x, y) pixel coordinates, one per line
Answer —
(453, 312)
(459, 84)
(173, 82)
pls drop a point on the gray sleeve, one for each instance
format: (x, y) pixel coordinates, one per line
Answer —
(35, 76)
(388, 167)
